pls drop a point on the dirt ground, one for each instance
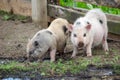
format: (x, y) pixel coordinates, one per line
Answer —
(14, 36)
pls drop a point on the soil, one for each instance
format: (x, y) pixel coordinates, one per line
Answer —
(14, 36)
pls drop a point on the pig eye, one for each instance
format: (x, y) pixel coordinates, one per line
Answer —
(84, 35)
(88, 23)
(75, 35)
(78, 23)
(36, 43)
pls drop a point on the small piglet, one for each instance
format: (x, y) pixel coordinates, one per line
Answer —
(51, 40)
(89, 31)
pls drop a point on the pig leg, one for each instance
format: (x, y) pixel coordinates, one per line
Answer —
(88, 49)
(105, 44)
(40, 57)
(104, 41)
(52, 54)
(75, 51)
(61, 51)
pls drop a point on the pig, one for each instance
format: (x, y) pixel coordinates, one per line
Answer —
(89, 31)
(52, 39)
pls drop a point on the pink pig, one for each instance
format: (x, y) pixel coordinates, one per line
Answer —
(89, 31)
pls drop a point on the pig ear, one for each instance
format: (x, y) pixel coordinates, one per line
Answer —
(88, 27)
(70, 27)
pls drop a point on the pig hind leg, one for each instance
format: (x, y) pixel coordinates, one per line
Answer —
(104, 43)
(52, 54)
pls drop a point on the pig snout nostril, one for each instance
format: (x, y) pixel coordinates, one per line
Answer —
(80, 44)
(31, 52)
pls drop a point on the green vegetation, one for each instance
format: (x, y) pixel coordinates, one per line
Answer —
(73, 4)
(14, 66)
(116, 68)
(62, 67)
(10, 16)
(50, 68)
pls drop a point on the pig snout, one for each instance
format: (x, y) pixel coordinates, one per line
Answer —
(31, 52)
(80, 44)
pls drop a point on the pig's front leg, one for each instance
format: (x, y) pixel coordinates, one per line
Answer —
(88, 49)
(105, 45)
(75, 51)
(52, 54)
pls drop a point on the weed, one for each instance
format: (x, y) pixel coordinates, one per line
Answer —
(62, 67)
(15, 66)
(8, 16)
(116, 68)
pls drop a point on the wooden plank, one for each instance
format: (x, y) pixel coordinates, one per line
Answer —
(4, 5)
(114, 27)
(113, 37)
(71, 15)
(58, 11)
(22, 7)
(39, 12)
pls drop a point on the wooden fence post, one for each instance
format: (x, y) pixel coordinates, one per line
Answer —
(39, 12)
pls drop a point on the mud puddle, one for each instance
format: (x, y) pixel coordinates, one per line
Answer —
(106, 76)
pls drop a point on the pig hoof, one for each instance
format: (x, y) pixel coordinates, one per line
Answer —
(52, 60)
(106, 50)
(89, 55)
(73, 56)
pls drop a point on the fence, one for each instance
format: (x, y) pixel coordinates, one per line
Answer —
(40, 10)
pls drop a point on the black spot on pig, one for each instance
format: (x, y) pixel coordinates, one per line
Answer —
(49, 32)
(38, 34)
(88, 22)
(101, 21)
(64, 29)
(31, 52)
(78, 23)
(36, 43)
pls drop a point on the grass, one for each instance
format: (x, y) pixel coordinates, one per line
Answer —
(49, 68)
(72, 3)
(116, 69)
(9, 16)
(62, 67)
(14, 66)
